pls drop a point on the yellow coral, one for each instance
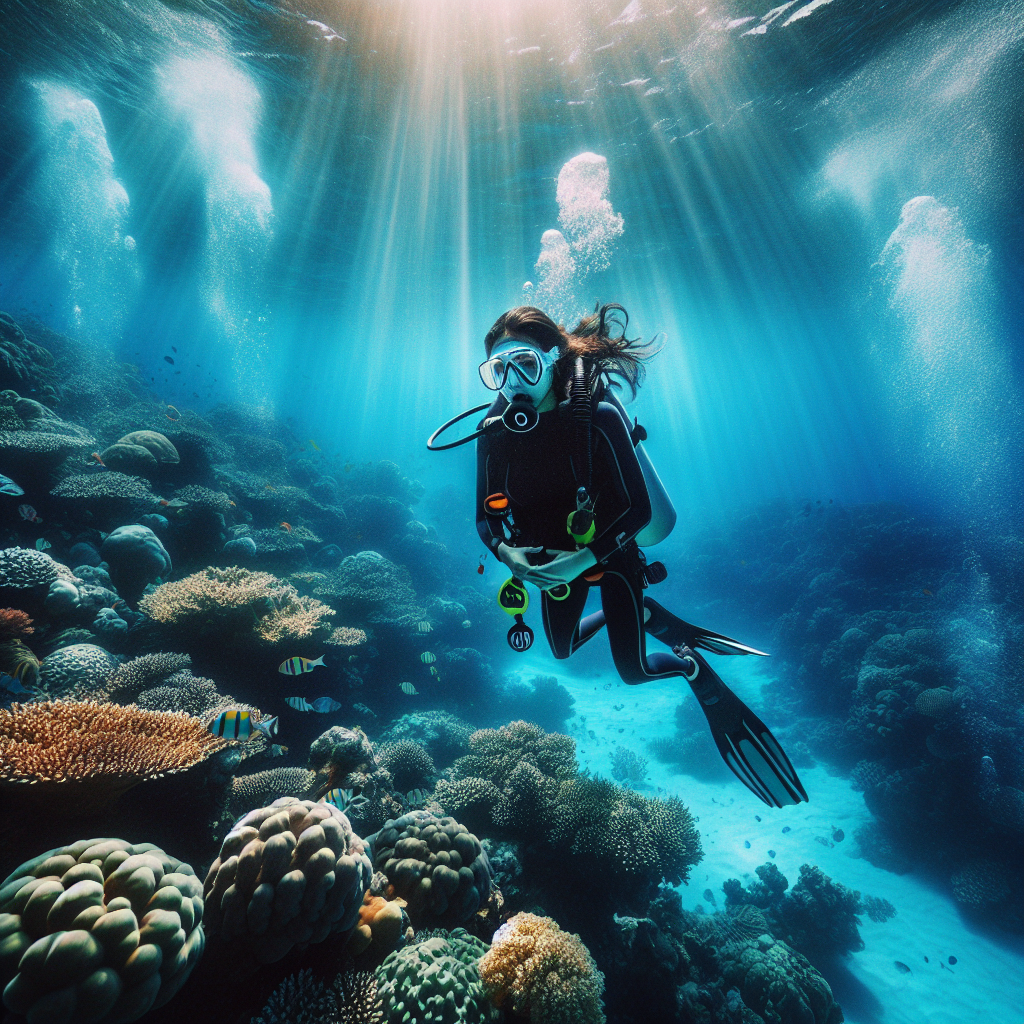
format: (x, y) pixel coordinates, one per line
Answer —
(273, 608)
(548, 974)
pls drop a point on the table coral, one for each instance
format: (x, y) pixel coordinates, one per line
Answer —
(98, 930)
(436, 979)
(84, 755)
(287, 875)
(544, 974)
(256, 602)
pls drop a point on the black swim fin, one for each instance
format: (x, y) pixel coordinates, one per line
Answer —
(744, 741)
(677, 632)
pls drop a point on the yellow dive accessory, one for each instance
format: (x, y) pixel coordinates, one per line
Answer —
(581, 525)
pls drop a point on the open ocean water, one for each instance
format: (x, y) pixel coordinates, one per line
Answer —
(249, 253)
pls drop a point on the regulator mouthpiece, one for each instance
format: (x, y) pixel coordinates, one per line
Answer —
(521, 415)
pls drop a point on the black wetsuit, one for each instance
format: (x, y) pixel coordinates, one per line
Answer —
(535, 470)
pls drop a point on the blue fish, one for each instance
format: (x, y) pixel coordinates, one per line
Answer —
(237, 724)
(11, 684)
(8, 486)
(325, 704)
(339, 798)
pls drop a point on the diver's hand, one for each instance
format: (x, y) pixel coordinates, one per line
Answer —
(520, 562)
(567, 565)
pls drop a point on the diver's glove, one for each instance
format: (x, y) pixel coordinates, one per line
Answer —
(526, 566)
(568, 565)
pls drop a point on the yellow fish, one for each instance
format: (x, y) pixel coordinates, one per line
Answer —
(312, 444)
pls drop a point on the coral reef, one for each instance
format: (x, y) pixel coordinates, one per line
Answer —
(435, 864)
(408, 764)
(287, 875)
(262, 788)
(544, 974)
(98, 930)
(440, 733)
(435, 979)
(23, 568)
(350, 999)
(84, 754)
(79, 672)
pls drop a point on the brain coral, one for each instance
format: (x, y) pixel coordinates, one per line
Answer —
(84, 754)
(435, 979)
(22, 568)
(547, 975)
(78, 672)
(778, 983)
(435, 864)
(288, 874)
(99, 930)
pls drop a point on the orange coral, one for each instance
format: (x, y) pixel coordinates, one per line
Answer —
(547, 975)
(14, 624)
(86, 754)
(380, 922)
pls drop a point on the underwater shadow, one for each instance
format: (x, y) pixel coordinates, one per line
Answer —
(857, 1000)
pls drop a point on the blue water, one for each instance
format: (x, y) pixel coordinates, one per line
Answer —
(815, 208)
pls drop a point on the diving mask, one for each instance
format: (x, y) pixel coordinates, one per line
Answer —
(523, 365)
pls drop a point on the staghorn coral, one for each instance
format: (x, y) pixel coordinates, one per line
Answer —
(296, 618)
(287, 875)
(85, 754)
(100, 929)
(78, 672)
(262, 788)
(23, 568)
(14, 624)
(546, 975)
(409, 765)
(625, 834)
(435, 864)
(435, 979)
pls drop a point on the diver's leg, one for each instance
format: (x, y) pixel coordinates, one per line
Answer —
(562, 620)
(623, 603)
(676, 632)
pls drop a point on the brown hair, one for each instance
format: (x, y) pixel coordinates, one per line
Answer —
(600, 338)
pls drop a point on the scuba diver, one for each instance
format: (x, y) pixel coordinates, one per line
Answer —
(566, 499)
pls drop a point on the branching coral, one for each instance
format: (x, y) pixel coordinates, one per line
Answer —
(628, 766)
(443, 735)
(288, 874)
(141, 673)
(346, 636)
(409, 765)
(495, 753)
(624, 832)
(14, 624)
(86, 754)
(98, 930)
(544, 974)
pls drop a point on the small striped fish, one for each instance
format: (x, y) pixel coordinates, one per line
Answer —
(237, 724)
(408, 688)
(339, 798)
(427, 658)
(297, 665)
(424, 626)
(299, 703)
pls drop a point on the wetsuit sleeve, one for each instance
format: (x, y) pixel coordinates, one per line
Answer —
(609, 426)
(487, 526)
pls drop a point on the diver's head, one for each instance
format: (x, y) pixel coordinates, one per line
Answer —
(522, 347)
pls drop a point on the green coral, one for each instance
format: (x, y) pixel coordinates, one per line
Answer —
(778, 983)
(435, 980)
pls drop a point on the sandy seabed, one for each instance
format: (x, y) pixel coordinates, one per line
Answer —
(986, 985)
